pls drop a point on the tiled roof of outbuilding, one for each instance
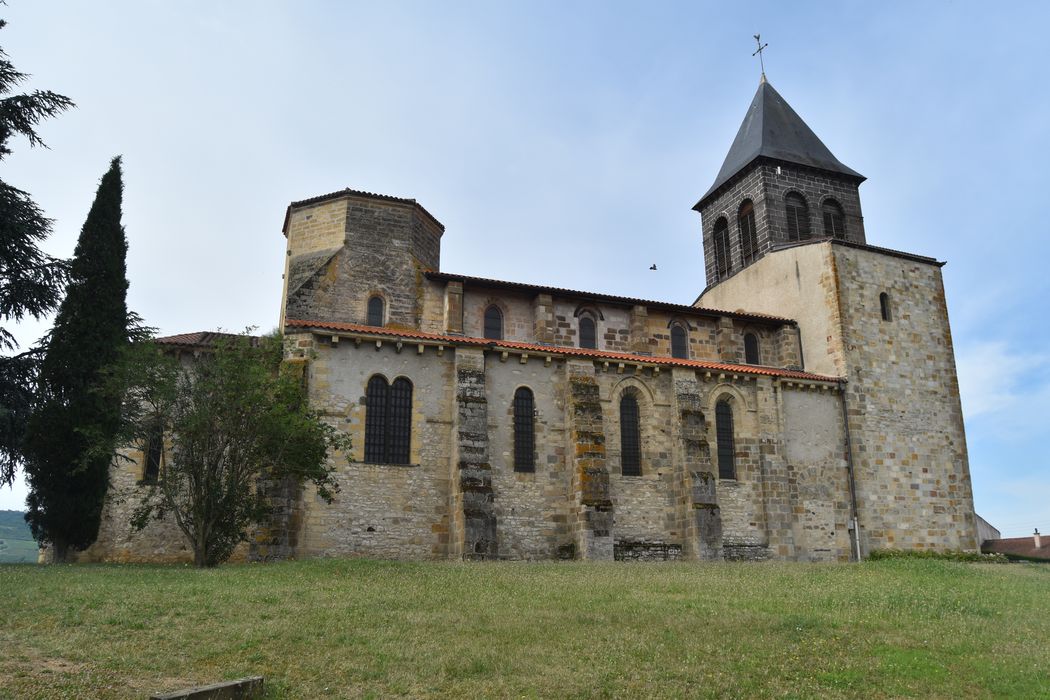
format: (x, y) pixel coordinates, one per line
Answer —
(1019, 547)
(200, 339)
(410, 335)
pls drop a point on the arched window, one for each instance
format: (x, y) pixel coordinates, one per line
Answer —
(726, 442)
(884, 305)
(388, 421)
(375, 311)
(834, 221)
(797, 217)
(630, 440)
(588, 337)
(721, 241)
(153, 451)
(524, 431)
(493, 323)
(751, 349)
(679, 342)
(745, 221)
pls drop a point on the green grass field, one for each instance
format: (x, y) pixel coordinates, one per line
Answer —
(377, 629)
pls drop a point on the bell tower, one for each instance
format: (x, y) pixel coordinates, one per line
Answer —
(779, 185)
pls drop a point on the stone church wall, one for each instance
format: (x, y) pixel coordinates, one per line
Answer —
(913, 477)
(382, 510)
(532, 508)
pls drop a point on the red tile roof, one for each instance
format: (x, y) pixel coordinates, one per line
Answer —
(1019, 546)
(555, 350)
(356, 193)
(200, 339)
(678, 308)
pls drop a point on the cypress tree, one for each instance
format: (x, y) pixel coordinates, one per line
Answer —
(71, 434)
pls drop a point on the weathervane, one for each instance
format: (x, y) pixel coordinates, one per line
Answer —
(761, 47)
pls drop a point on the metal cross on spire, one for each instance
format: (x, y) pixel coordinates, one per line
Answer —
(761, 48)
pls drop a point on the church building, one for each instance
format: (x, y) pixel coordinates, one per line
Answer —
(805, 407)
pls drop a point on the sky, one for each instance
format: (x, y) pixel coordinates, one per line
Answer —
(561, 143)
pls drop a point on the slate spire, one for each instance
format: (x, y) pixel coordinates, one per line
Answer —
(772, 129)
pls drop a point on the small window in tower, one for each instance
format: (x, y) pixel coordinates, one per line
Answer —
(630, 439)
(797, 217)
(588, 337)
(721, 241)
(524, 431)
(884, 305)
(679, 342)
(726, 440)
(751, 349)
(745, 221)
(493, 323)
(375, 311)
(834, 221)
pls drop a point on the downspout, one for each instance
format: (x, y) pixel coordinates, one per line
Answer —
(849, 472)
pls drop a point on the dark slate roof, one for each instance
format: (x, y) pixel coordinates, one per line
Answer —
(772, 129)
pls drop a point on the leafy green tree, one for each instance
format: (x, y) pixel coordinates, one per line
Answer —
(234, 416)
(73, 430)
(31, 282)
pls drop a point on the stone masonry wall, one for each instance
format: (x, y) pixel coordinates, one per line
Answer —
(532, 508)
(906, 422)
(381, 510)
(386, 247)
(766, 188)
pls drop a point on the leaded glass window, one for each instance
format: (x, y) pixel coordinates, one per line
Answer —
(726, 442)
(751, 349)
(679, 343)
(388, 421)
(375, 311)
(630, 440)
(524, 431)
(588, 337)
(493, 323)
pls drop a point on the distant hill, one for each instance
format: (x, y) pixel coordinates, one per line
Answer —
(16, 541)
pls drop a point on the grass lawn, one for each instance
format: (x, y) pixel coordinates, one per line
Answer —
(377, 629)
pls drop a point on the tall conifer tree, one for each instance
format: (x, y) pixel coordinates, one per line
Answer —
(71, 434)
(31, 281)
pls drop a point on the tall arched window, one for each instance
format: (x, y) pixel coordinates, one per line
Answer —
(588, 335)
(154, 450)
(388, 421)
(493, 323)
(375, 311)
(834, 221)
(884, 306)
(745, 221)
(679, 342)
(797, 217)
(721, 241)
(726, 442)
(630, 439)
(524, 431)
(751, 349)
